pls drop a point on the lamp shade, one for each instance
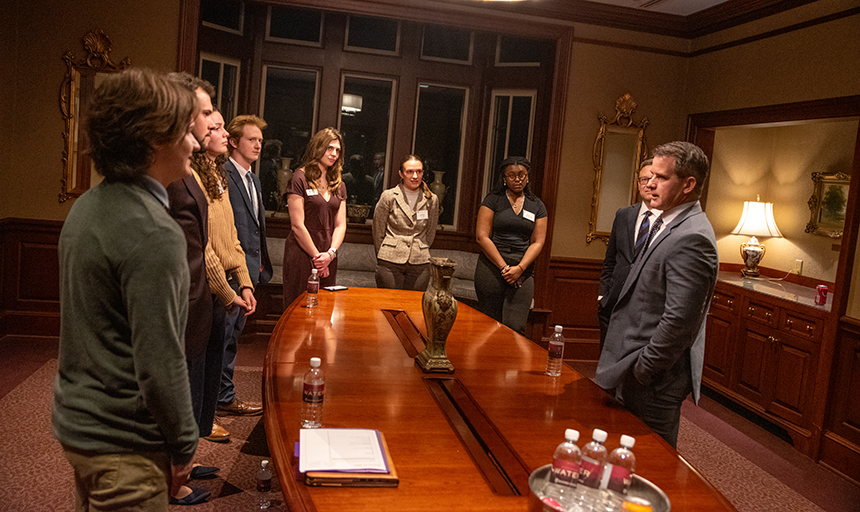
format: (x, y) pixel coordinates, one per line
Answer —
(757, 220)
(351, 103)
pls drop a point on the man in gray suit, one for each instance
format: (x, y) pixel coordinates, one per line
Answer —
(655, 343)
(249, 214)
(629, 231)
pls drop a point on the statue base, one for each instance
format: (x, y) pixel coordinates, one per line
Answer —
(430, 364)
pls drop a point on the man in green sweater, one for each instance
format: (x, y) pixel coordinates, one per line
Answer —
(122, 408)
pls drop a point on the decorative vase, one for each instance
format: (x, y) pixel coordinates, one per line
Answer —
(437, 187)
(440, 310)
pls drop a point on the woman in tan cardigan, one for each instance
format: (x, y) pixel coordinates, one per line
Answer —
(225, 260)
(404, 227)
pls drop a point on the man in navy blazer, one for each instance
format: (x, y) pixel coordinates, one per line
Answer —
(249, 214)
(655, 342)
(619, 249)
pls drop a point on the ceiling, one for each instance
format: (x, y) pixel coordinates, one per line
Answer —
(679, 7)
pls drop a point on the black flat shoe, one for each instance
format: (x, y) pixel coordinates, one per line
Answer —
(198, 472)
(196, 497)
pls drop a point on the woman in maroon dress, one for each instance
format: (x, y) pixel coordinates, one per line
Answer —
(316, 198)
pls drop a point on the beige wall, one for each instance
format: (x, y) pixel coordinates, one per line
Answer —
(35, 36)
(777, 163)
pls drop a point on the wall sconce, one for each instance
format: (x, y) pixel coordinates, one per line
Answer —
(351, 104)
(756, 220)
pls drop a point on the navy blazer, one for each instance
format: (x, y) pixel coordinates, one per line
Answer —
(619, 257)
(250, 224)
(657, 329)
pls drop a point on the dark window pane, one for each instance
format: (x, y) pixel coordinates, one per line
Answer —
(446, 43)
(372, 33)
(224, 13)
(522, 50)
(438, 130)
(210, 71)
(518, 142)
(289, 110)
(365, 139)
(296, 24)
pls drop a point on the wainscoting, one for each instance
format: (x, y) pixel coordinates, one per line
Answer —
(573, 284)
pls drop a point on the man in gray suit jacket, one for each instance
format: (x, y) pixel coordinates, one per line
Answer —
(620, 249)
(655, 343)
(249, 214)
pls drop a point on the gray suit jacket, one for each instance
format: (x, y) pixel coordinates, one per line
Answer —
(250, 224)
(398, 235)
(657, 329)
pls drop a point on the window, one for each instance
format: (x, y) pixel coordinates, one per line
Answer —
(294, 25)
(510, 133)
(373, 35)
(365, 123)
(439, 136)
(223, 15)
(290, 97)
(446, 44)
(518, 51)
(223, 74)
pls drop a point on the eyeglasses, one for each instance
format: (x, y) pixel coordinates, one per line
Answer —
(643, 181)
(516, 177)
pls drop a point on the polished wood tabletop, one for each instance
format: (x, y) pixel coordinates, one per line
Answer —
(441, 428)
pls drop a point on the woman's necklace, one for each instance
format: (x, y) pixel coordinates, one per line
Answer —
(517, 204)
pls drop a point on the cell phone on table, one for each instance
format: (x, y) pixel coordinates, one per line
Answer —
(335, 288)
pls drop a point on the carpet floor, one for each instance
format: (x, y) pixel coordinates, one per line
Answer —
(36, 476)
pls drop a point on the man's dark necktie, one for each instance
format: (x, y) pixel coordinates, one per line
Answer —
(651, 234)
(643, 233)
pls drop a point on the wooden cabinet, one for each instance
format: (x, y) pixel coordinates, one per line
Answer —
(762, 351)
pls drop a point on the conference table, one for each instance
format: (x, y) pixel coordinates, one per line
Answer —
(466, 440)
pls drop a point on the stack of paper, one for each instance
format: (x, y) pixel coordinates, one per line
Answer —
(345, 457)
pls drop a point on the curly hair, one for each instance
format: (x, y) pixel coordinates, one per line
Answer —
(507, 162)
(212, 174)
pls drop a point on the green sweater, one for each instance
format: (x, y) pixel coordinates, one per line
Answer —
(122, 384)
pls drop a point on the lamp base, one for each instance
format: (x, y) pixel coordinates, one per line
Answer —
(750, 272)
(752, 253)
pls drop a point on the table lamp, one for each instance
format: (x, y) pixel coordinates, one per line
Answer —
(756, 221)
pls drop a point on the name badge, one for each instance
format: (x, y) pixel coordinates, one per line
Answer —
(528, 215)
(312, 192)
(422, 215)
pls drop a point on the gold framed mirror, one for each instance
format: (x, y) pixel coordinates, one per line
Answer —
(81, 79)
(827, 204)
(618, 151)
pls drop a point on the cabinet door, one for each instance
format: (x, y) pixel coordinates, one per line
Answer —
(752, 354)
(718, 348)
(794, 364)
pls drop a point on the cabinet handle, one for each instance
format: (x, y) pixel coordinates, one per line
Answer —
(751, 310)
(767, 315)
(788, 322)
(809, 329)
(730, 302)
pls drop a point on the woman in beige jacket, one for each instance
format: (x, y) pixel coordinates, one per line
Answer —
(404, 226)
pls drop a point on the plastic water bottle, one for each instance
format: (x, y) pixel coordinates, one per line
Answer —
(313, 289)
(561, 487)
(313, 389)
(264, 486)
(555, 353)
(591, 470)
(618, 474)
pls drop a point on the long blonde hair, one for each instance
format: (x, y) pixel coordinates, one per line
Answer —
(314, 153)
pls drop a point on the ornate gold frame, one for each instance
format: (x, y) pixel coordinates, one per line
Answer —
(621, 176)
(78, 84)
(819, 222)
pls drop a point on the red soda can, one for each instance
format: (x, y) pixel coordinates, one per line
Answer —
(821, 297)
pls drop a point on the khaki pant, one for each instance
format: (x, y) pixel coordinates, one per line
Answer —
(122, 481)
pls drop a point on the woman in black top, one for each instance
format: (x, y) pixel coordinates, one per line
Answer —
(511, 232)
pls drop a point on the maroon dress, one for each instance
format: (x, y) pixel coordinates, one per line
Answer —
(320, 218)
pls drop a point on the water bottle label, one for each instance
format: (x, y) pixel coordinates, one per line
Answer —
(564, 472)
(313, 287)
(556, 351)
(313, 393)
(589, 473)
(616, 478)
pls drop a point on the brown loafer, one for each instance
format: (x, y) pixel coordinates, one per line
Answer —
(239, 408)
(219, 434)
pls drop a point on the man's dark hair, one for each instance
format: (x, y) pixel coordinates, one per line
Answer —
(192, 83)
(690, 160)
(132, 113)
